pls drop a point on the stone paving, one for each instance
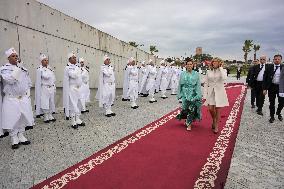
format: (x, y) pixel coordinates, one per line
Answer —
(257, 160)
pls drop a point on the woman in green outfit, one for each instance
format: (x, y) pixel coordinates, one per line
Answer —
(189, 91)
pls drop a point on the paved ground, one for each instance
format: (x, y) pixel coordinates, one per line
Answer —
(258, 159)
(257, 162)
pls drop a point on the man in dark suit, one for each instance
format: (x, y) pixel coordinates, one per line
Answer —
(271, 84)
(250, 84)
(256, 80)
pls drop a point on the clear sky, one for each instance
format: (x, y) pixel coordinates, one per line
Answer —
(177, 27)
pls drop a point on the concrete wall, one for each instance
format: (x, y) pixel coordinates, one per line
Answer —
(33, 28)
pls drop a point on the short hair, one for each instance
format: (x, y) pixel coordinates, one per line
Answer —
(278, 55)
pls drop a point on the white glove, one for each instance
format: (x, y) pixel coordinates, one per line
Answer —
(281, 94)
(16, 73)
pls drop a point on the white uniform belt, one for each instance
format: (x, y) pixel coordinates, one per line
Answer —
(48, 86)
(109, 83)
(75, 86)
(16, 96)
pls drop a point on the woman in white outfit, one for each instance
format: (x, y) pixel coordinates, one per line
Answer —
(215, 93)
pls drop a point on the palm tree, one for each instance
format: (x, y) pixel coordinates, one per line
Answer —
(153, 49)
(255, 48)
(247, 48)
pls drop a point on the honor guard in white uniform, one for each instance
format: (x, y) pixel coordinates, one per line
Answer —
(72, 83)
(45, 90)
(16, 103)
(142, 73)
(85, 88)
(149, 81)
(106, 89)
(125, 86)
(164, 80)
(174, 80)
(132, 78)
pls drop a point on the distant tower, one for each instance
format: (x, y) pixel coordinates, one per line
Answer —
(198, 51)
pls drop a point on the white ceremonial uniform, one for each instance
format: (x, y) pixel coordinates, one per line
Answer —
(133, 86)
(1, 130)
(158, 79)
(85, 89)
(125, 83)
(44, 92)
(106, 89)
(142, 75)
(150, 83)
(174, 80)
(164, 81)
(71, 93)
(16, 107)
(169, 76)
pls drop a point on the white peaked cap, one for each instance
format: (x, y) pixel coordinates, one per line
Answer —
(105, 57)
(143, 62)
(162, 61)
(70, 55)
(42, 57)
(81, 59)
(10, 51)
(150, 61)
(130, 59)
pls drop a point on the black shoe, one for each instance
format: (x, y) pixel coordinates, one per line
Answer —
(26, 143)
(253, 106)
(113, 114)
(4, 135)
(39, 116)
(134, 107)
(47, 121)
(151, 101)
(15, 146)
(259, 113)
(28, 128)
(87, 111)
(155, 101)
(164, 97)
(271, 120)
(67, 118)
(53, 120)
(81, 124)
(124, 99)
(108, 115)
(74, 126)
(280, 117)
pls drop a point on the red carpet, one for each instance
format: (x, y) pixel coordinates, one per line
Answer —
(162, 155)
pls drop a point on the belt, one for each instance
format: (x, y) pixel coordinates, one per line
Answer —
(48, 86)
(110, 83)
(75, 86)
(15, 96)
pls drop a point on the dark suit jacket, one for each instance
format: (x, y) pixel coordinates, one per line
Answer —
(248, 79)
(253, 76)
(268, 75)
(281, 82)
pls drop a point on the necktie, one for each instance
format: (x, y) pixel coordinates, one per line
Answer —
(261, 66)
(276, 68)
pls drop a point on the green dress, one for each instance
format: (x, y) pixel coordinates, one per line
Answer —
(189, 91)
